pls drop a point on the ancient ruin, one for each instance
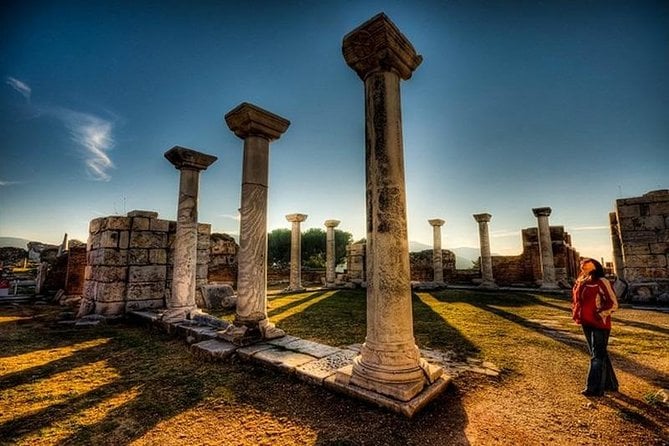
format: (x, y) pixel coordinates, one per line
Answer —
(436, 224)
(640, 236)
(487, 280)
(330, 260)
(295, 252)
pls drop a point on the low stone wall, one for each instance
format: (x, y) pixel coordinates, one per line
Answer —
(129, 262)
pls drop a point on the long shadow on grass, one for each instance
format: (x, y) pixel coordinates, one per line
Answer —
(629, 365)
(293, 303)
(639, 413)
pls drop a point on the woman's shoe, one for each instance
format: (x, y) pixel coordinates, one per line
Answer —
(586, 392)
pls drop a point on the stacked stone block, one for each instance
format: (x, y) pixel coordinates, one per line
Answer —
(129, 261)
(76, 270)
(640, 232)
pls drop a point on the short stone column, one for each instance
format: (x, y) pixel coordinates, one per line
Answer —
(182, 298)
(330, 254)
(257, 127)
(389, 362)
(546, 248)
(295, 252)
(437, 260)
(616, 243)
(486, 259)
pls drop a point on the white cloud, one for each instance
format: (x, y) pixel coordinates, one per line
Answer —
(500, 234)
(8, 183)
(19, 86)
(94, 136)
(231, 217)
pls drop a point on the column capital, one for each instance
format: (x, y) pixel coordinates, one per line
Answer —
(542, 212)
(331, 223)
(184, 158)
(437, 222)
(293, 218)
(378, 45)
(250, 120)
(482, 218)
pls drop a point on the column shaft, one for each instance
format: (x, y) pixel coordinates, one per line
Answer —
(545, 248)
(330, 253)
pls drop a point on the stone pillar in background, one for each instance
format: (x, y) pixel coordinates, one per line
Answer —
(182, 299)
(437, 260)
(486, 259)
(546, 248)
(617, 246)
(389, 362)
(330, 254)
(257, 127)
(295, 252)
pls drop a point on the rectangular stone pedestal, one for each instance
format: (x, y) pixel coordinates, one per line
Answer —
(340, 382)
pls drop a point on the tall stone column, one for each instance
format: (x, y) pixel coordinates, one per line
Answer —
(182, 298)
(437, 260)
(617, 245)
(330, 254)
(257, 127)
(546, 248)
(295, 252)
(389, 362)
(486, 259)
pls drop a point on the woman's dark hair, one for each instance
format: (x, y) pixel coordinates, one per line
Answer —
(598, 272)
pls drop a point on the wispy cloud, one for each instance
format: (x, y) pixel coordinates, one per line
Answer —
(589, 228)
(19, 86)
(500, 234)
(8, 183)
(93, 134)
(231, 217)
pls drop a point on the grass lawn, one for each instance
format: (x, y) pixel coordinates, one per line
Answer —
(120, 384)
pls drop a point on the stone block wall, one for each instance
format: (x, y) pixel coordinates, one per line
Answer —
(640, 231)
(76, 268)
(422, 266)
(223, 259)
(129, 261)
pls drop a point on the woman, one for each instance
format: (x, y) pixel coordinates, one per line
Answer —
(593, 301)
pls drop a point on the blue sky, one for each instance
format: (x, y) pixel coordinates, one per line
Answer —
(516, 105)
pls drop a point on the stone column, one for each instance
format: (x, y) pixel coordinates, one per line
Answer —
(389, 362)
(257, 127)
(617, 246)
(182, 299)
(486, 259)
(545, 248)
(330, 261)
(295, 252)
(437, 260)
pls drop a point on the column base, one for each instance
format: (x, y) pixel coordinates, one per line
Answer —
(177, 314)
(398, 384)
(488, 285)
(294, 289)
(549, 286)
(246, 333)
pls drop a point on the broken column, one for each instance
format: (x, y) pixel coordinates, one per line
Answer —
(389, 362)
(295, 252)
(617, 245)
(437, 261)
(182, 298)
(546, 248)
(257, 127)
(330, 261)
(486, 259)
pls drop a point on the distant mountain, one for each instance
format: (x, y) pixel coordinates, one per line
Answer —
(14, 242)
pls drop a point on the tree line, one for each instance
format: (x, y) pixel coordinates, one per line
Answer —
(313, 247)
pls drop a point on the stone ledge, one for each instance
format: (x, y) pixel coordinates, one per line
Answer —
(213, 349)
(285, 360)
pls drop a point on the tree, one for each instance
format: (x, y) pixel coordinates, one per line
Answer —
(313, 247)
(278, 248)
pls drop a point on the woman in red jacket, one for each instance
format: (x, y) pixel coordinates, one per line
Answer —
(593, 301)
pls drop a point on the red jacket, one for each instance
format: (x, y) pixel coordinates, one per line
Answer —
(593, 302)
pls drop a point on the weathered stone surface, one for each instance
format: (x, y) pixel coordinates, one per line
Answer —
(133, 305)
(282, 359)
(647, 261)
(148, 240)
(110, 273)
(110, 292)
(212, 349)
(629, 211)
(108, 239)
(317, 371)
(203, 256)
(141, 224)
(151, 273)
(108, 256)
(146, 291)
(659, 248)
(138, 213)
(649, 223)
(201, 271)
(310, 348)
(158, 256)
(218, 296)
(634, 237)
(109, 308)
(124, 239)
(157, 225)
(282, 341)
(138, 256)
(95, 225)
(117, 223)
(248, 351)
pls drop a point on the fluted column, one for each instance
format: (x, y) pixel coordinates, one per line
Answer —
(182, 298)
(546, 248)
(437, 260)
(257, 127)
(486, 259)
(389, 362)
(330, 254)
(295, 252)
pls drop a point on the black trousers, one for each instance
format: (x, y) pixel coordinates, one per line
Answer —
(601, 376)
